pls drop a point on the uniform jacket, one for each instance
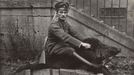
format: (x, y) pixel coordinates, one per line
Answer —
(60, 35)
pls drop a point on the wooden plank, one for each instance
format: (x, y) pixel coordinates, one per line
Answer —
(91, 33)
(25, 33)
(41, 12)
(24, 3)
(15, 12)
(94, 24)
(25, 72)
(67, 72)
(41, 72)
(7, 26)
(87, 32)
(55, 72)
(60, 72)
(26, 12)
(41, 25)
(81, 72)
(74, 72)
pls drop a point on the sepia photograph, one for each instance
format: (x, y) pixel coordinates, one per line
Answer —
(66, 37)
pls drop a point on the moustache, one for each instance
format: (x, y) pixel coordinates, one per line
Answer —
(63, 16)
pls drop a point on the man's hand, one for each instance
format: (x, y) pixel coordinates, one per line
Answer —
(86, 45)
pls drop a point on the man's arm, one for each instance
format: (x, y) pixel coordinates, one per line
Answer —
(76, 34)
(59, 32)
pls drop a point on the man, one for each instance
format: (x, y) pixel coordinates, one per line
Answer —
(62, 38)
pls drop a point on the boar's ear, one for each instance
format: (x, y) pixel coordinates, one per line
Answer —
(93, 41)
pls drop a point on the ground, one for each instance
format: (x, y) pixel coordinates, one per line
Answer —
(118, 66)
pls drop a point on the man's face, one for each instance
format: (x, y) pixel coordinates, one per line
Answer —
(62, 13)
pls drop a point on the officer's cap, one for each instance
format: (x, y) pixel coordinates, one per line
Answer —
(64, 5)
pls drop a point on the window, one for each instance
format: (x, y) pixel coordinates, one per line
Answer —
(113, 12)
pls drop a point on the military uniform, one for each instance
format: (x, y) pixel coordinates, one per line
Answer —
(61, 38)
